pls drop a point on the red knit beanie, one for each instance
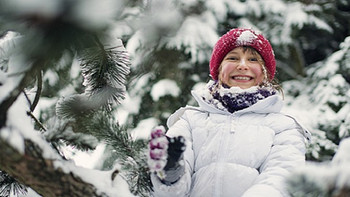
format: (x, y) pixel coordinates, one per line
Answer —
(242, 37)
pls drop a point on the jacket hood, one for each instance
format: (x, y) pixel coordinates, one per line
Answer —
(271, 104)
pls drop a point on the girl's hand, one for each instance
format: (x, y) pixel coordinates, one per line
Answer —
(165, 154)
(158, 150)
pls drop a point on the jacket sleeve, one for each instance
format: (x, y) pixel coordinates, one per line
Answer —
(286, 154)
(183, 185)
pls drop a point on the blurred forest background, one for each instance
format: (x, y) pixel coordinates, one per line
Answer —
(169, 44)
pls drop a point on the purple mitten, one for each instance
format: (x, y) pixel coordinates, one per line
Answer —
(165, 156)
(158, 147)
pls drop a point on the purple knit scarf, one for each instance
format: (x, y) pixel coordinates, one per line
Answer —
(235, 99)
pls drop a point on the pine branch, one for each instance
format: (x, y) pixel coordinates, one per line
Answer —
(41, 126)
(40, 174)
(9, 185)
(38, 91)
(76, 106)
(102, 125)
(131, 154)
(14, 93)
(104, 71)
(62, 131)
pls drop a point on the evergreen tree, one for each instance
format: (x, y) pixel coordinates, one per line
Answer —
(301, 32)
(178, 52)
(325, 95)
(47, 50)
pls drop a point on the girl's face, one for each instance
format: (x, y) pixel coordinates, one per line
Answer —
(242, 68)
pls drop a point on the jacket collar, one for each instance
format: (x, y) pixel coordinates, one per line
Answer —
(271, 104)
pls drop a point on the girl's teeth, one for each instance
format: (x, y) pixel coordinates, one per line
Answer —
(241, 78)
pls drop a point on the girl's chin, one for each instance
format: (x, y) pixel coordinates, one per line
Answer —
(241, 84)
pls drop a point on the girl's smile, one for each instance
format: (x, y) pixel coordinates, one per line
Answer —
(241, 67)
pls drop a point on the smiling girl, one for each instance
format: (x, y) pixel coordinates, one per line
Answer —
(242, 67)
(236, 142)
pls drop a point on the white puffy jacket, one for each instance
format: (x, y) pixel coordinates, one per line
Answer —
(247, 153)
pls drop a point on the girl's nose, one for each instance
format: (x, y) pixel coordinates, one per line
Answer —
(242, 65)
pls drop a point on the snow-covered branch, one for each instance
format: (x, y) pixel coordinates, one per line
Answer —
(50, 177)
(32, 161)
(324, 179)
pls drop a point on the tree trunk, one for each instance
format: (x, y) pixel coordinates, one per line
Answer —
(40, 174)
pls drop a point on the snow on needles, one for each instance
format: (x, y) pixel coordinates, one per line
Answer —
(20, 127)
(195, 34)
(165, 87)
(102, 180)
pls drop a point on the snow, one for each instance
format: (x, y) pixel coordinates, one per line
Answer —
(342, 155)
(326, 98)
(296, 15)
(237, 6)
(96, 13)
(30, 193)
(188, 3)
(245, 38)
(144, 128)
(52, 77)
(274, 6)
(218, 8)
(195, 34)
(163, 15)
(8, 84)
(17, 114)
(346, 44)
(316, 172)
(199, 86)
(85, 159)
(320, 24)
(343, 114)
(165, 87)
(162, 19)
(304, 110)
(332, 63)
(15, 139)
(16, 64)
(26, 7)
(15, 134)
(335, 173)
(3, 77)
(8, 43)
(100, 179)
(131, 103)
(328, 90)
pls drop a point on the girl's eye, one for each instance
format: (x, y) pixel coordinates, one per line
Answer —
(253, 59)
(232, 58)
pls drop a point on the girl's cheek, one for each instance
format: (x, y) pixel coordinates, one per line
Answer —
(227, 68)
(223, 76)
(224, 72)
(258, 71)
